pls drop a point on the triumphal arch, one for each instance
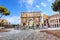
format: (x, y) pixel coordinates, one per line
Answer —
(31, 19)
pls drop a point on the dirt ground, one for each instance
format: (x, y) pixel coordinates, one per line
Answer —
(4, 30)
(53, 32)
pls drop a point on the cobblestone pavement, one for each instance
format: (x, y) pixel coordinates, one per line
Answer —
(27, 35)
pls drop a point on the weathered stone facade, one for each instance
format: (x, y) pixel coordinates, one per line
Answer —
(53, 21)
(5, 22)
(31, 18)
(46, 22)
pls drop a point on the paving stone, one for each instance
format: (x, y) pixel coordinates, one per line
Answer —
(28, 35)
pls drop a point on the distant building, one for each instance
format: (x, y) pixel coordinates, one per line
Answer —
(46, 22)
(53, 21)
(3, 22)
(31, 19)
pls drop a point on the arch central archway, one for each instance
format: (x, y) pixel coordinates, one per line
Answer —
(31, 23)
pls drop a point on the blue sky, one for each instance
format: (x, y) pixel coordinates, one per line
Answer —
(17, 6)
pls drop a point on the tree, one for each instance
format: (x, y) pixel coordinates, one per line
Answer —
(56, 6)
(15, 24)
(3, 11)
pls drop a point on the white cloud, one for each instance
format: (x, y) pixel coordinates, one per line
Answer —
(37, 6)
(43, 4)
(13, 19)
(49, 0)
(30, 2)
(27, 2)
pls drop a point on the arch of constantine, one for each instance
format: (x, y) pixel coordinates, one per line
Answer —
(31, 19)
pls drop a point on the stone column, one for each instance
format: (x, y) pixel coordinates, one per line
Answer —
(58, 21)
(40, 24)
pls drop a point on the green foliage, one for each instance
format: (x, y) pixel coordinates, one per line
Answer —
(33, 26)
(1, 24)
(37, 26)
(55, 5)
(4, 11)
(15, 24)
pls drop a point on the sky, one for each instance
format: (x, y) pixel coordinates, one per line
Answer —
(17, 6)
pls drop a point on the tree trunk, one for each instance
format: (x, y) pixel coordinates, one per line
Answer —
(59, 9)
(0, 18)
(59, 12)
